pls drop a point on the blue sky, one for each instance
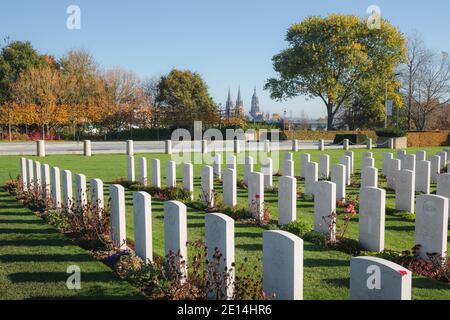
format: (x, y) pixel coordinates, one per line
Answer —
(230, 43)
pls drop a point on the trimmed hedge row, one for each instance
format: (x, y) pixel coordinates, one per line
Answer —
(428, 138)
(415, 138)
(325, 135)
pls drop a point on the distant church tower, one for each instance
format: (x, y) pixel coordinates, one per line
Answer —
(239, 107)
(256, 114)
(229, 106)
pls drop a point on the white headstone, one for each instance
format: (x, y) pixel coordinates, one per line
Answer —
(443, 160)
(431, 225)
(373, 278)
(368, 162)
(237, 146)
(56, 187)
(288, 168)
(405, 191)
(367, 155)
(98, 199)
(248, 168)
(287, 200)
(130, 169)
(40, 145)
(324, 206)
(171, 174)
(423, 176)
(80, 191)
(311, 177)
(87, 149)
(267, 146)
(207, 184)
(168, 147)
(443, 186)
(339, 177)
(118, 218)
(372, 206)
(156, 173)
(37, 176)
(267, 171)
(188, 178)
(393, 169)
(282, 265)
(23, 174)
(386, 158)
(142, 210)
(369, 177)
(46, 183)
(369, 143)
(391, 143)
(204, 146)
(143, 179)
(295, 145)
(351, 154)
(30, 174)
(324, 166)
(304, 159)
(217, 166)
(435, 167)
(175, 234)
(421, 155)
(67, 189)
(231, 162)
(321, 145)
(130, 148)
(219, 240)
(401, 154)
(346, 144)
(256, 195)
(289, 156)
(346, 161)
(229, 187)
(409, 162)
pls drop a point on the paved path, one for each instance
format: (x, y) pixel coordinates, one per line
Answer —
(111, 147)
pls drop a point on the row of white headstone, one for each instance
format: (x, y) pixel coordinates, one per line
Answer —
(237, 146)
(40, 178)
(282, 252)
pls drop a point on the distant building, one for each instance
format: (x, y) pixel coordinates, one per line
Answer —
(234, 110)
(255, 112)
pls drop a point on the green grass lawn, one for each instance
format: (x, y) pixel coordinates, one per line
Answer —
(34, 258)
(326, 272)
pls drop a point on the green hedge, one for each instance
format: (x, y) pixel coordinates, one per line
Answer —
(391, 133)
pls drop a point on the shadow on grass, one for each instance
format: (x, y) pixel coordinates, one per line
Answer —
(28, 231)
(250, 247)
(35, 242)
(325, 263)
(45, 258)
(426, 283)
(341, 282)
(43, 277)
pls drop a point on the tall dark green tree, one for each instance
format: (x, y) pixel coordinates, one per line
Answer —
(15, 58)
(185, 98)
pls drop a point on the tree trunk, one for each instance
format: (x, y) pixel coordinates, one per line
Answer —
(330, 117)
(43, 132)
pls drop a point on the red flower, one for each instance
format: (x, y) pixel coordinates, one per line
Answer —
(403, 272)
(258, 196)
